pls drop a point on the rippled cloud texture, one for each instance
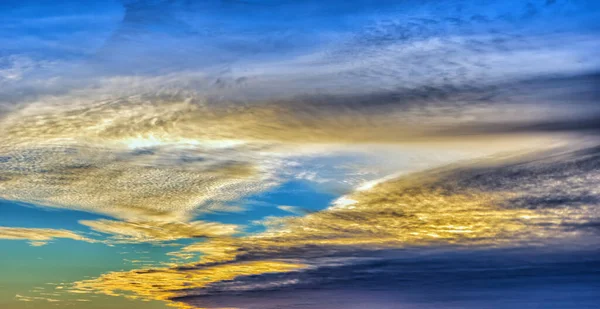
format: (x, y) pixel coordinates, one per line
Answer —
(444, 144)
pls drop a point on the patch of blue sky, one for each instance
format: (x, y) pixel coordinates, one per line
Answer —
(298, 193)
(17, 214)
(56, 30)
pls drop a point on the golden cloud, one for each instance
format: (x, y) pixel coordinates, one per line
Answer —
(152, 231)
(155, 119)
(160, 160)
(38, 236)
(155, 162)
(165, 283)
(439, 207)
(428, 208)
(122, 185)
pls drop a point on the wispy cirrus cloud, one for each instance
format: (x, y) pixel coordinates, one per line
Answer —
(39, 236)
(137, 232)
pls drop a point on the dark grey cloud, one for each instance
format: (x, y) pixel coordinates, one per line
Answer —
(537, 105)
(421, 279)
(568, 178)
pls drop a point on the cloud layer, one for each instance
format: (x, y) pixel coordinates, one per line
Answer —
(39, 236)
(470, 207)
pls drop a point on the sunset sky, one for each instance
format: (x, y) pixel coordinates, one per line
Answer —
(263, 154)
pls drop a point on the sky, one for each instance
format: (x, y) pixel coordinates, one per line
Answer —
(263, 154)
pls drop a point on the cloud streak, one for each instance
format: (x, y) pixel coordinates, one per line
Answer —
(136, 232)
(39, 236)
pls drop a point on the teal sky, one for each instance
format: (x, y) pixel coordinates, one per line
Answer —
(33, 271)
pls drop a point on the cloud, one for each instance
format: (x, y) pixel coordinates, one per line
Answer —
(166, 147)
(293, 209)
(498, 203)
(170, 155)
(470, 206)
(150, 231)
(385, 45)
(125, 184)
(426, 114)
(39, 236)
(165, 284)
